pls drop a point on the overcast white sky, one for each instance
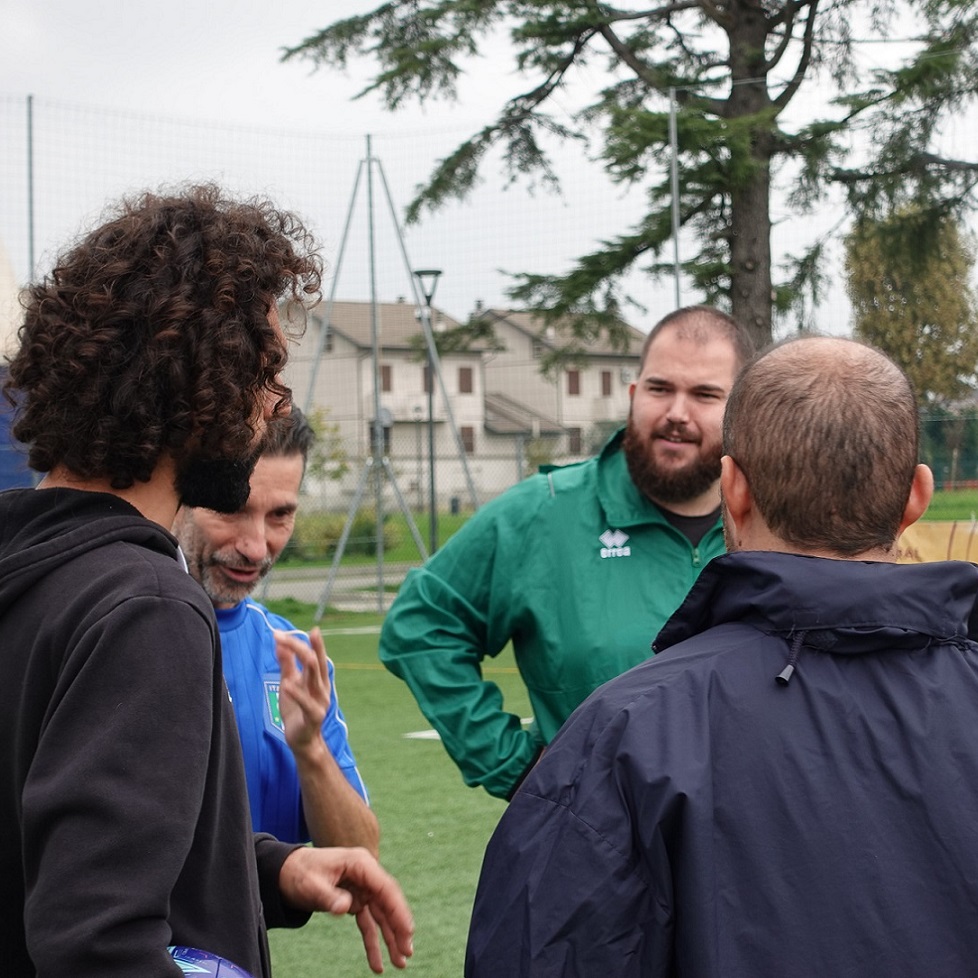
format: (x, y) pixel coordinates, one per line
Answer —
(218, 62)
(218, 59)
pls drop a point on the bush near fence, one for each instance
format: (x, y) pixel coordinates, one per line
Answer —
(317, 535)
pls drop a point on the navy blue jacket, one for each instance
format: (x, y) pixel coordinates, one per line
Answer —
(697, 817)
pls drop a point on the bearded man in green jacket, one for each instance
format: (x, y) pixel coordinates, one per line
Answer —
(579, 566)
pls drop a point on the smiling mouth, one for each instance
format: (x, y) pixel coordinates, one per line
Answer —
(240, 575)
(673, 439)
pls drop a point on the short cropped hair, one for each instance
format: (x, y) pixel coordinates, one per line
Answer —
(151, 335)
(288, 434)
(826, 432)
(703, 323)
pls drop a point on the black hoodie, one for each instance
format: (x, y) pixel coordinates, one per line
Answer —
(125, 822)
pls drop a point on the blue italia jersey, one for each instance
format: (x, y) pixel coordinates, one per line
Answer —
(252, 675)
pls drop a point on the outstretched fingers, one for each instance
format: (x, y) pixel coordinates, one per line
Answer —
(340, 881)
(387, 910)
(304, 691)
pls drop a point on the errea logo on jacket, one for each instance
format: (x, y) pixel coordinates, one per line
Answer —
(614, 544)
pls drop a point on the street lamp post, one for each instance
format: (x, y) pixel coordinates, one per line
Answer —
(428, 282)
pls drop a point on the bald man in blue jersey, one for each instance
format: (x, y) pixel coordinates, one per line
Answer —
(303, 782)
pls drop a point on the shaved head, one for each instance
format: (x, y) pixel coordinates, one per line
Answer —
(825, 431)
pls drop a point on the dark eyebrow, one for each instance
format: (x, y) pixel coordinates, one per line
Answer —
(699, 388)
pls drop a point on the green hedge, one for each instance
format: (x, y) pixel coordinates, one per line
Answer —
(317, 534)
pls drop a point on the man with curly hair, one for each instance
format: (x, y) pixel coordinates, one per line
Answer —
(147, 368)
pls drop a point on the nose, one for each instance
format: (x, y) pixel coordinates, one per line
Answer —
(251, 542)
(678, 412)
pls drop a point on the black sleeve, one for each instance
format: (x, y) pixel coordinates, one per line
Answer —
(270, 854)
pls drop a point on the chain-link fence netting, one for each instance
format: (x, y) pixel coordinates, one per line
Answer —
(949, 445)
(61, 164)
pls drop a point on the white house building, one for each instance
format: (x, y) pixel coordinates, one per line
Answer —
(499, 418)
(588, 401)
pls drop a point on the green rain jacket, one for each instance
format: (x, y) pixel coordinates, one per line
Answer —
(575, 566)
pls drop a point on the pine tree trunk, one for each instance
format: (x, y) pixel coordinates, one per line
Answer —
(750, 210)
(750, 255)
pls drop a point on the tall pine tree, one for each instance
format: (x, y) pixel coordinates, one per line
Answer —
(733, 68)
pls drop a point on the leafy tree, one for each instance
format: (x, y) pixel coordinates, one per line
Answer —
(477, 332)
(916, 303)
(327, 457)
(734, 67)
(538, 452)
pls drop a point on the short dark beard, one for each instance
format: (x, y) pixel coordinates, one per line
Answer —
(219, 484)
(220, 590)
(667, 487)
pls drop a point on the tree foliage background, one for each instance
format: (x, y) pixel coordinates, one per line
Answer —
(327, 457)
(716, 79)
(915, 303)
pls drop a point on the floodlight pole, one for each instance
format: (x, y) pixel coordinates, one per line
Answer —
(377, 463)
(377, 429)
(674, 178)
(428, 282)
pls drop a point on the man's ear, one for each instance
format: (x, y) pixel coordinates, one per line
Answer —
(736, 495)
(921, 491)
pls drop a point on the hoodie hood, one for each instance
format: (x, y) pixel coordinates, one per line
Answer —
(41, 529)
(835, 604)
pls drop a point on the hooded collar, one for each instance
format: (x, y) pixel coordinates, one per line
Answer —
(41, 529)
(848, 606)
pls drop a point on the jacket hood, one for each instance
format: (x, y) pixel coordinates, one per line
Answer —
(40, 529)
(845, 606)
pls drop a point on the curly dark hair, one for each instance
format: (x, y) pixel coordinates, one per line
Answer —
(152, 336)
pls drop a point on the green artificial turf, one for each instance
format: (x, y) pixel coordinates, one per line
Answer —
(434, 829)
(957, 504)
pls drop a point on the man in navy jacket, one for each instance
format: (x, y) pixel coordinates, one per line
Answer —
(790, 786)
